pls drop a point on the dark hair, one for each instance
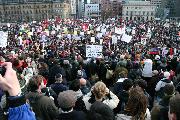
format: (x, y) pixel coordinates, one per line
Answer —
(127, 84)
(75, 85)
(169, 89)
(141, 83)
(174, 106)
(34, 83)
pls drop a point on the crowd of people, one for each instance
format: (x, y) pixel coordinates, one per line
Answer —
(48, 76)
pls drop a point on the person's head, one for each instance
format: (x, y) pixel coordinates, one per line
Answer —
(79, 74)
(127, 84)
(174, 108)
(123, 74)
(58, 78)
(166, 75)
(169, 89)
(99, 90)
(100, 111)
(36, 83)
(141, 83)
(75, 85)
(137, 103)
(147, 56)
(66, 100)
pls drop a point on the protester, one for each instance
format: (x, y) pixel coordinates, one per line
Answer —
(136, 107)
(78, 54)
(43, 106)
(66, 101)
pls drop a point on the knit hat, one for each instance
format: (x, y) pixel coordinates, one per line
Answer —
(166, 74)
(66, 99)
(157, 57)
(79, 73)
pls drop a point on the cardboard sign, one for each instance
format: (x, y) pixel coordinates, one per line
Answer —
(94, 51)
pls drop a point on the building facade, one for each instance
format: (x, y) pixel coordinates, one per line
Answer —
(138, 10)
(73, 8)
(156, 2)
(33, 10)
(111, 8)
(170, 9)
(92, 11)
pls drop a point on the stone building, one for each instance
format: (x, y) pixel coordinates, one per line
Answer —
(138, 10)
(28, 10)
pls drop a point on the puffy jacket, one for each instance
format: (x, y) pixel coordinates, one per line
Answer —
(19, 110)
(112, 102)
(22, 112)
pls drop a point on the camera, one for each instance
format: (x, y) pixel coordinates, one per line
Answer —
(2, 70)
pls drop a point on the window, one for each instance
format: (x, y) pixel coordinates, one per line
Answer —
(127, 12)
(143, 12)
(147, 13)
(152, 13)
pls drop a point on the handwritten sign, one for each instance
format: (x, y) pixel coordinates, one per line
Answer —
(94, 51)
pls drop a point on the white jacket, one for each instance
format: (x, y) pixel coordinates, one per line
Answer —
(112, 103)
(162, 83)
(147, 70)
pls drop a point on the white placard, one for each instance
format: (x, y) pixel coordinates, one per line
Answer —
(94, 51)
(99, 35)
(82, 33)
(114, 39)
(93, 39)
(143, 41)
(126, 38)
(3, 39)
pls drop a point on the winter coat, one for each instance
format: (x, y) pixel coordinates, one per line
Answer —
(126, 117)
(74, 115)
(162, 83)
(147, 69)
(43, 106)
(80, 105)
(112, 102)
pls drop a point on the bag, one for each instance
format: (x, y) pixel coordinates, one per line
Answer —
(109, 74)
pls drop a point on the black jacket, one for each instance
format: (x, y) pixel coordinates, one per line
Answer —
(43, 107)
(74, 115)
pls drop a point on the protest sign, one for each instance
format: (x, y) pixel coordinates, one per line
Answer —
(143, 41)
(94, 51)
(93, 39)
(126, 38)
(114, 39)
(3, 39)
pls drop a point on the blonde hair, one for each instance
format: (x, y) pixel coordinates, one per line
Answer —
(99, 90)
